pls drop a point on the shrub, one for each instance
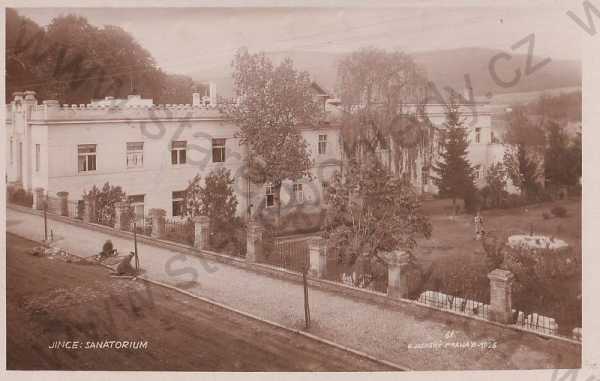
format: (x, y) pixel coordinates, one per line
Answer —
(513, 201)
(20, 197)
(108, 247)
(559, 211)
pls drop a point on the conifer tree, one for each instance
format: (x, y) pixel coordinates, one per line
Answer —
(454, 173)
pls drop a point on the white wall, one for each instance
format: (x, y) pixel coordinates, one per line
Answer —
(158, 178)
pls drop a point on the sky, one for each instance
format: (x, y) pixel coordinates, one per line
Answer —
(190, 40)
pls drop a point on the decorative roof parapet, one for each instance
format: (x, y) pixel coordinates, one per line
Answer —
(52, 111)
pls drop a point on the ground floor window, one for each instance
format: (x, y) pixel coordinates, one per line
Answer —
(425, 175)
(325, 187)
(269, 196)
(298, 193)
(137, 203)
(177, 203)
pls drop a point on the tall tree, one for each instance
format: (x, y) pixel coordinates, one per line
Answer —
(495, 179)
(455, 177)
(74, 61)
(557, 163)
(574, 157)
(218, 200)
(374, 86)
(523, 154)
(274, 102)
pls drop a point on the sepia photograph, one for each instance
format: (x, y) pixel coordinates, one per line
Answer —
(295, 188)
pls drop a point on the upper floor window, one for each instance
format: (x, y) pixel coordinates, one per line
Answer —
(37, 157)
(135, 155)
(178, 152)
(298, 193)
(86, 155)
(177, 203)
(478, 135)
(322, 144)
(218, 150)
(269, 196)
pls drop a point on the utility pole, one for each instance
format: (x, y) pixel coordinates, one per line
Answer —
(135, 249)
(306, 306)
(46, 220)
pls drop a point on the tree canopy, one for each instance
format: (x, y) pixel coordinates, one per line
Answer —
(73, 61)
(374, 88)
(525, 142)
(371, 212)
(274, 102)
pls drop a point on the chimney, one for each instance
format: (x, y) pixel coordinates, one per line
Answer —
(196, 101)
(468, 94)
(212, 93)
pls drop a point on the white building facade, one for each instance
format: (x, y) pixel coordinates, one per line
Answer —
(153, 152)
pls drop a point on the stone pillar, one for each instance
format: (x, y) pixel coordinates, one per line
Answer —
(64, 203)
(253, 235)
(201, 232)
(397, 264)
(38, 198)
(501, 296)
(121, 217)
(317, 249)
(158, 222)
(88, 210)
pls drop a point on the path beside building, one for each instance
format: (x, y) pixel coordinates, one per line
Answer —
(384, 331)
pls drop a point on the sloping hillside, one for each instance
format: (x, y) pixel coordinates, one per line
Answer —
(444, 68)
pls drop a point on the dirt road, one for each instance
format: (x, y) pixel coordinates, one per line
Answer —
(50, 299)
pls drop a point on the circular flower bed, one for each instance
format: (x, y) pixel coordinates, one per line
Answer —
(536, 242)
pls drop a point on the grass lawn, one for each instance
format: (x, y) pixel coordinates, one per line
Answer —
(453, 241)
(455, 238)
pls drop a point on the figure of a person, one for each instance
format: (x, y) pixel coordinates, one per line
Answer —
(478, 226)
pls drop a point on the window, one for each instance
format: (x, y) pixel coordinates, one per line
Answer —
(269, 197)
(178, 149)
(137, 203)
(425, 175)
(11, 151)
(493, 138)
(135, 155)
(178, 199)
(322, 144)
(325, 187)
(218, 150)
(86, 154)
(37, 157)
(477, 174)
(478, 135)
(298, 193)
